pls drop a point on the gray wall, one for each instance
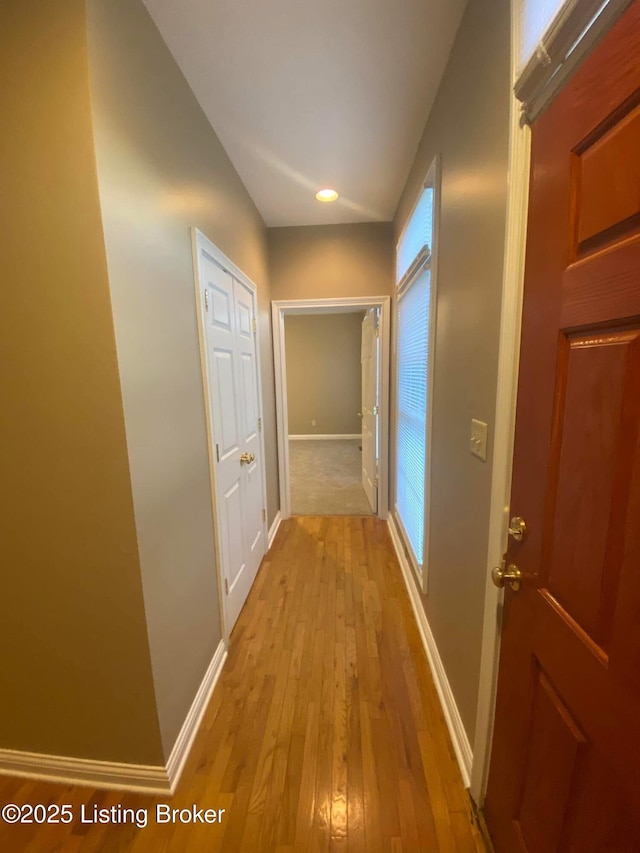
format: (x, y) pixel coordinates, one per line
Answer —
(324, 374)
(161, 169)
(468, 127)
(75, 677)
(321, 261)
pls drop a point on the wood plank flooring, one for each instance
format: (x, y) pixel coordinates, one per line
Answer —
(324, 733)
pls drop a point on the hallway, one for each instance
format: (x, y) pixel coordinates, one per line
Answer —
(324, 732)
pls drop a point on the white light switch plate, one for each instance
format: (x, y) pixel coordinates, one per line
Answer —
(478, 441)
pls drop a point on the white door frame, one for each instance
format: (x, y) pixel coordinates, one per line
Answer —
(200, 241)
(279, 309)
(508, 364)
(370, 413)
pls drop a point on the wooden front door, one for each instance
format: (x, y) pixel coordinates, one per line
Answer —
(565, 766)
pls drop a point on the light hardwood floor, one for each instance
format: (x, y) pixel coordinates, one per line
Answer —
(324, 732)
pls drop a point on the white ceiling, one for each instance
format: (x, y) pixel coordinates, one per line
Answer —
(305, 94)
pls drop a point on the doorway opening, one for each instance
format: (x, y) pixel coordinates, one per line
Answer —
(332, 367)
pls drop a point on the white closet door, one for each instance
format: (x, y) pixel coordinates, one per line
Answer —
(234, 407)
(253, 522)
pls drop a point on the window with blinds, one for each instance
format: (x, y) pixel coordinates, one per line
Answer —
(411, 419)
(414, 308)
(415, 241)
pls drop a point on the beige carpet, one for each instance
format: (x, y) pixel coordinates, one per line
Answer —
(326, 478)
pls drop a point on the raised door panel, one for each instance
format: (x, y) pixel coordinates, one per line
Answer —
(221, 314)
(250, 397)
(253, 513)
(225, 417)
(248, 379)
(608, 178)
(222, 359)
(550, 769)
(597, 387)
(232, 515)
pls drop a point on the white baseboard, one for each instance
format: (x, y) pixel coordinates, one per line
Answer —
(141, 778)
(189, 730)
(459, 739)
(146, 779)
(332, 437)
(274, 529)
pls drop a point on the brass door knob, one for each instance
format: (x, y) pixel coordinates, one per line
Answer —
(517, 528)
(246, 458)
(511, 575)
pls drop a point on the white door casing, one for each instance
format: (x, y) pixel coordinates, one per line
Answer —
(369, 407)
(505, 414)
(230, 355)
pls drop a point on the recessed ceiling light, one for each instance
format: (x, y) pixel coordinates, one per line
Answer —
(326, 195)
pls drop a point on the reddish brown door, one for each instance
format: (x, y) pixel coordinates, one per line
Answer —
(565, 767)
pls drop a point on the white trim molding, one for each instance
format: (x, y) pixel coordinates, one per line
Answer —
(67, 770)
(282, 308)
(459, 739)
(274, 529)
(323, 437)
(189, 730)
(508, 363)
(403, 540)
(113, 775)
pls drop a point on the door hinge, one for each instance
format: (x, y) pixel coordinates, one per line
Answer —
(217, 452)
(264, 515)
(259, 424)
(375, 482)
(206, 300)
(254, 325)
(226, 587)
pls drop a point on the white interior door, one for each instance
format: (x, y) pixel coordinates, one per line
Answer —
(369, 360)
(253, 520)
(230, 345)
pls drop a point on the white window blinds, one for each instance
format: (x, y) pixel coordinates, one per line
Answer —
(414, 284)
(415, 242)
(411, 415)
(554, 36)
